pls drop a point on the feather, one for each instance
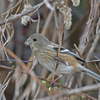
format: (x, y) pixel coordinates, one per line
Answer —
(66, 51)
(89, 72)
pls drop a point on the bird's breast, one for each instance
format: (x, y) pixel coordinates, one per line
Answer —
(46, 58)
(51, 64)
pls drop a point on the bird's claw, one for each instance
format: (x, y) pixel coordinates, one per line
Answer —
(52, 84)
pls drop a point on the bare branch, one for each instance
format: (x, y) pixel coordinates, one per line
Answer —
(70, 92)
(18, 16)
(95, 41)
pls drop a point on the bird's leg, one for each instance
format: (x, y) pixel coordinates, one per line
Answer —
(58, 78)
(53, 84)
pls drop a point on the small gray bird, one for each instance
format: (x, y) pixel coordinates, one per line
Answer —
(46, 51)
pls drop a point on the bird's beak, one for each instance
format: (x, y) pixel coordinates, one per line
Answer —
(28, 42)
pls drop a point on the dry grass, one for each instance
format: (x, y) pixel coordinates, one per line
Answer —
(27, 85)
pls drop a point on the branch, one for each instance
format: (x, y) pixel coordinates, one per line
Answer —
(18, 16)
(62, 36)
(70, 92)
(48, 81)
(94, 44)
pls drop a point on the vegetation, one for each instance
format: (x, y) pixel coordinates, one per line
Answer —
(74, 24)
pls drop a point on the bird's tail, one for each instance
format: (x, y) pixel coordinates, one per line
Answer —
(89, 72)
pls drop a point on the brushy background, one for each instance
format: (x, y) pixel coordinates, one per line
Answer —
(22, 79)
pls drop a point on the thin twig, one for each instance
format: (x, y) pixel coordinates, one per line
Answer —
(13, 60)
(95, 41)
(11, 9)
(62, 36)
(13, 69)
(18, 16)
(80, 55)
(97, 66)
(48, 81)
(38, 23)
(3, 87)
(78, 51)
(29, 61)
(37, 93)
(19, 61)
(70, 92)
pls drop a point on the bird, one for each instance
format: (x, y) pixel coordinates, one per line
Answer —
(46, 55)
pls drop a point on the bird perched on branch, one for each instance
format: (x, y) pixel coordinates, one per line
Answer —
(46, 52)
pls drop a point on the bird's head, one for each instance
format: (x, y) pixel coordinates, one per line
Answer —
(36, 41)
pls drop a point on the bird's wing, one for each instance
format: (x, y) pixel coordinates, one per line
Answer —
(66, 51)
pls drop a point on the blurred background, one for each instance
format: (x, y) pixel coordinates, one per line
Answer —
(72, 36)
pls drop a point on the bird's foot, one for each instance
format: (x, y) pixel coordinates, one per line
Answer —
(52, 84)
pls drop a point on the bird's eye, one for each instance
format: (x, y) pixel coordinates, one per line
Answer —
(34, 39)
